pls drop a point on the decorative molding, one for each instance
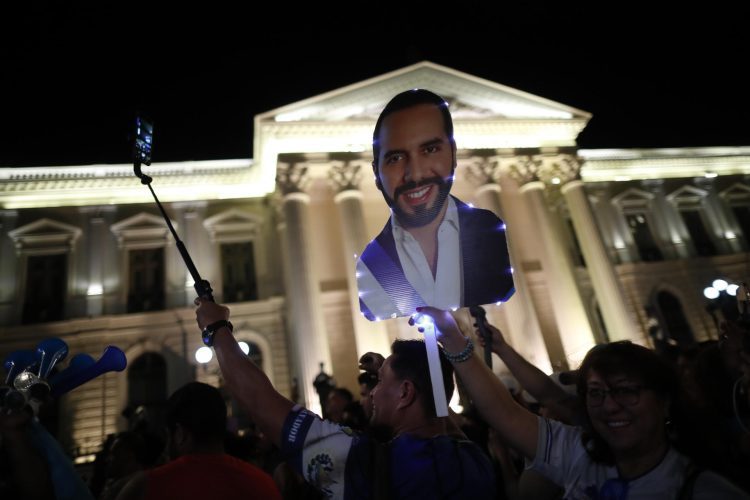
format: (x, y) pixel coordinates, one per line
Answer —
(45, 236)
(142, 231)
(345, 175)
(481, 170)
(525, 169)
(560, 169)
(233, 226)
(687, 196)
(292, 177)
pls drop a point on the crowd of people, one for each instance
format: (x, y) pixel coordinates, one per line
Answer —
(630, 422)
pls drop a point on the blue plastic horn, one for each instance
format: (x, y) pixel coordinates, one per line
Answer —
(111, 360)
(50, 351)
(79, 362)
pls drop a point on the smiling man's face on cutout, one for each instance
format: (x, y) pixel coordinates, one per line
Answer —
(415, 164)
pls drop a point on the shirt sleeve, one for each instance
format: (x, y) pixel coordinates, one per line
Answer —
(558, 448)
(318, 450)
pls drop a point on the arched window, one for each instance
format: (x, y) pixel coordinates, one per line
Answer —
(147, 391)
(672, 318)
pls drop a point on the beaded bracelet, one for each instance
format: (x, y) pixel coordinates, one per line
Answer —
(463, 355)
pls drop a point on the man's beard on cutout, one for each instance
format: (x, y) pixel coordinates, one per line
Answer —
(423, 214)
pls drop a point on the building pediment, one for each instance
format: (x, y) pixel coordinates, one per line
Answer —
(233, 226)
(45, 236)
(142, 230)
(470, 98)
(487, 115)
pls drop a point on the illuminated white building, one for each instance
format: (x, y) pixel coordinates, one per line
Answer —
(86, 256)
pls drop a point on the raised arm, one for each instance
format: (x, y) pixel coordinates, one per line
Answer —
(245, 381)
(531, 378)
(516, 425)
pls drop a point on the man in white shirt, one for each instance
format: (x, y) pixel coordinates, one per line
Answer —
(434, 250)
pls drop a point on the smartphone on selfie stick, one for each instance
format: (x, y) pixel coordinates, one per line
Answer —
(144, 136)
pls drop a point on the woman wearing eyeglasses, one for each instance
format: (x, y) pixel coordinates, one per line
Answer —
(622, 451)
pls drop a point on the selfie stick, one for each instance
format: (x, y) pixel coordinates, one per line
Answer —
(202, 287)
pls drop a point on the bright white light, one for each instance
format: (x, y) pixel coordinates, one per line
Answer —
(555, 180)
(454, 308)
(730, 235)
(499, 303)
(621, 178)
(95, 290)
(720, 285)
(189, 282)
(732, 290)
(710, 175)
(203, 355)
(245, 348)
(455, 403)
(710, 292)
(394, 315)
(510, 269)
(471, 205)
(503, 227)
(421, 320)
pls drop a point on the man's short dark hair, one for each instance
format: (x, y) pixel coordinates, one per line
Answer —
(200, 409)
(406, 100)
(343, 393)
(370, 379)
(409, 362)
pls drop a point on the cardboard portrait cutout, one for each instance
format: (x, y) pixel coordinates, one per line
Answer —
(467, 262)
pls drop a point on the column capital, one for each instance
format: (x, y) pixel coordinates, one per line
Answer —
(482, 170)
(560, 168)
(292, 177)
(524, 168)
(345, 175)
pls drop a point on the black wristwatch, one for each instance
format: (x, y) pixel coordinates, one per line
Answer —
(210, 330)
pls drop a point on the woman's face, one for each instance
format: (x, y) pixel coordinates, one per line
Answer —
(629, 417)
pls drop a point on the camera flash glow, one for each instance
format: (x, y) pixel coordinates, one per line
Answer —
(203, 355)
(555, 180)
(95, 290)
(732, 289)
(720, 285)
(471, 205)
(730, 235)
(710, 292)
(245, 348)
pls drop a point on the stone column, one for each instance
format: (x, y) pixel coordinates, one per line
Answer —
(612, 304)
(369, 336)
(96, 233)
(305, 320)
(525, 333)
(570, 315)
(9, 263)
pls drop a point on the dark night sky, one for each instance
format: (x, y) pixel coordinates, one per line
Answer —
(73, 74)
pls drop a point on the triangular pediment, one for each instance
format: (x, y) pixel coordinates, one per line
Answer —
(486, 115)
(687, 195)
(736, 192)
(45, 234)
(233, 226)
(142, 230)
(470, 98)
(632, 198)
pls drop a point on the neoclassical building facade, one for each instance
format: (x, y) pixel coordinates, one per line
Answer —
(605, 244)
